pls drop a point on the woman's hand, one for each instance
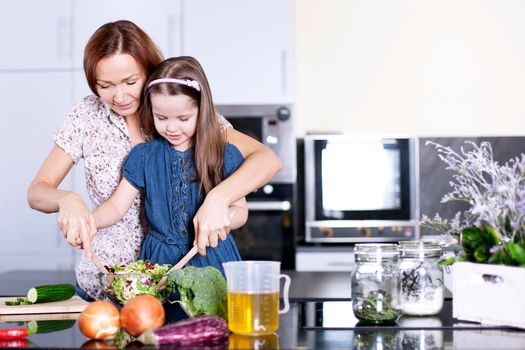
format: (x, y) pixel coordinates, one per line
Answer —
(76, 222)
(211, 222)
(74, 218)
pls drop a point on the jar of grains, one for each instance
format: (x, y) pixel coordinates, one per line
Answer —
(375, 283)
(421, 278)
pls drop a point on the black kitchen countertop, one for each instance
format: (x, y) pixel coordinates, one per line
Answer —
(320, 317)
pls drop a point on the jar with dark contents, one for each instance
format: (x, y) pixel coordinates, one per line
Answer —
(375, 287)
(376, 339)
(421, 278)
(420, 333)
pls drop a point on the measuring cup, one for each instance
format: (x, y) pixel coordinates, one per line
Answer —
(253, 296)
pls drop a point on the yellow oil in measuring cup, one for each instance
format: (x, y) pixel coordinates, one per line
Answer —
(253, 313)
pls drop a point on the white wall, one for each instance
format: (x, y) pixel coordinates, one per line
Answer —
(444, 67)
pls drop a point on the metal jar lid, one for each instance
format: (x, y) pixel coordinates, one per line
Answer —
(419, 249)
(375, 252)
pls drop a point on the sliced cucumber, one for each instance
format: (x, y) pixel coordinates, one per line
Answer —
(12, 302)
(23, 300)
(48, 293)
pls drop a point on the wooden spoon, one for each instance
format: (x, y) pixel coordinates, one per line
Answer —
(177, 266)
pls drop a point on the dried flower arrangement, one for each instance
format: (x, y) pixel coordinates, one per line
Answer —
(492, 230)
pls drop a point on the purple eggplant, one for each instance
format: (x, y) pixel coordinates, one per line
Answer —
(200, 330)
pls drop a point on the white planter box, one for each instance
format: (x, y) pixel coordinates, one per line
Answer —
(489, 294)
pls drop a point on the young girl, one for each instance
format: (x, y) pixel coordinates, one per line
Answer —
(185, 159)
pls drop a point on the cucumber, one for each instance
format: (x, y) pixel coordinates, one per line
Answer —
(48, 293)
(23, 300)
(12, 302)
(49, 326)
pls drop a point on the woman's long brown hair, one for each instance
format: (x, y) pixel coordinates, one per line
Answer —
(208, 141)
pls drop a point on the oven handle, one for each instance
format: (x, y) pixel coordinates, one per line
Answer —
(269, 205)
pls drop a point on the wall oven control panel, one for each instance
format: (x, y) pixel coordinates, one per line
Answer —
(361, 232)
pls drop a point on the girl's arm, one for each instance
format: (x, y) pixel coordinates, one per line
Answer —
(114, 209)
(74, 218)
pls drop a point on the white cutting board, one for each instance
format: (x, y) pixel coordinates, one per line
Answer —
(39, 317)
(75, 304)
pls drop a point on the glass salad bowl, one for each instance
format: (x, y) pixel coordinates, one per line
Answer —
(123, 283)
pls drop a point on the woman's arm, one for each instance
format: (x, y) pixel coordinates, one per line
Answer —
(43, 193)
(238, 214)
(74, 218)
(114, 209)
(259, 166)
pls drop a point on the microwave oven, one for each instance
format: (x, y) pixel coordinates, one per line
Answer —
(360, 188)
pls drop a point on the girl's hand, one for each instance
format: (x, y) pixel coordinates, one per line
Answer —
(211, 222)
(76, 222)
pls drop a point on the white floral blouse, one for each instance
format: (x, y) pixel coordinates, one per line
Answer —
(93, 132)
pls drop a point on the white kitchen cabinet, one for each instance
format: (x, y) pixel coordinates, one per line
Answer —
(33, 105)
(245, 47)
(36, 35)
(160, 19)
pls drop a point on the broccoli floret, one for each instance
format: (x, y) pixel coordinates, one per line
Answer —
(202, 290)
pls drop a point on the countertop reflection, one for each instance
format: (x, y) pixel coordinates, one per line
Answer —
(320, 317)
(332, 325)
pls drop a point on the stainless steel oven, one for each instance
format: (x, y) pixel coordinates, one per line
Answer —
(271, 125)
(270, 231)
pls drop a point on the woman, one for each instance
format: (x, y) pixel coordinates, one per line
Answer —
(102, 129)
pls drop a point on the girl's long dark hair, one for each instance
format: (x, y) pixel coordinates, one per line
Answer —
(209, 137)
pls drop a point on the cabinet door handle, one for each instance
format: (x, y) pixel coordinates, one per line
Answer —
(64, 40)
(174, 37)
(283, 71)
(269, 205)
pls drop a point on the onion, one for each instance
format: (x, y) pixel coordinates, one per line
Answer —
(142, 313)
(100, 320)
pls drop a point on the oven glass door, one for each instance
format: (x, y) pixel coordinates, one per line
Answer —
(269, 232)
(251, 126)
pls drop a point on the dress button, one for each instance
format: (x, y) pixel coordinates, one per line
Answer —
(170, 240)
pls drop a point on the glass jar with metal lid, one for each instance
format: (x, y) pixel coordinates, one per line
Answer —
(375, 282)
(421, 278)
